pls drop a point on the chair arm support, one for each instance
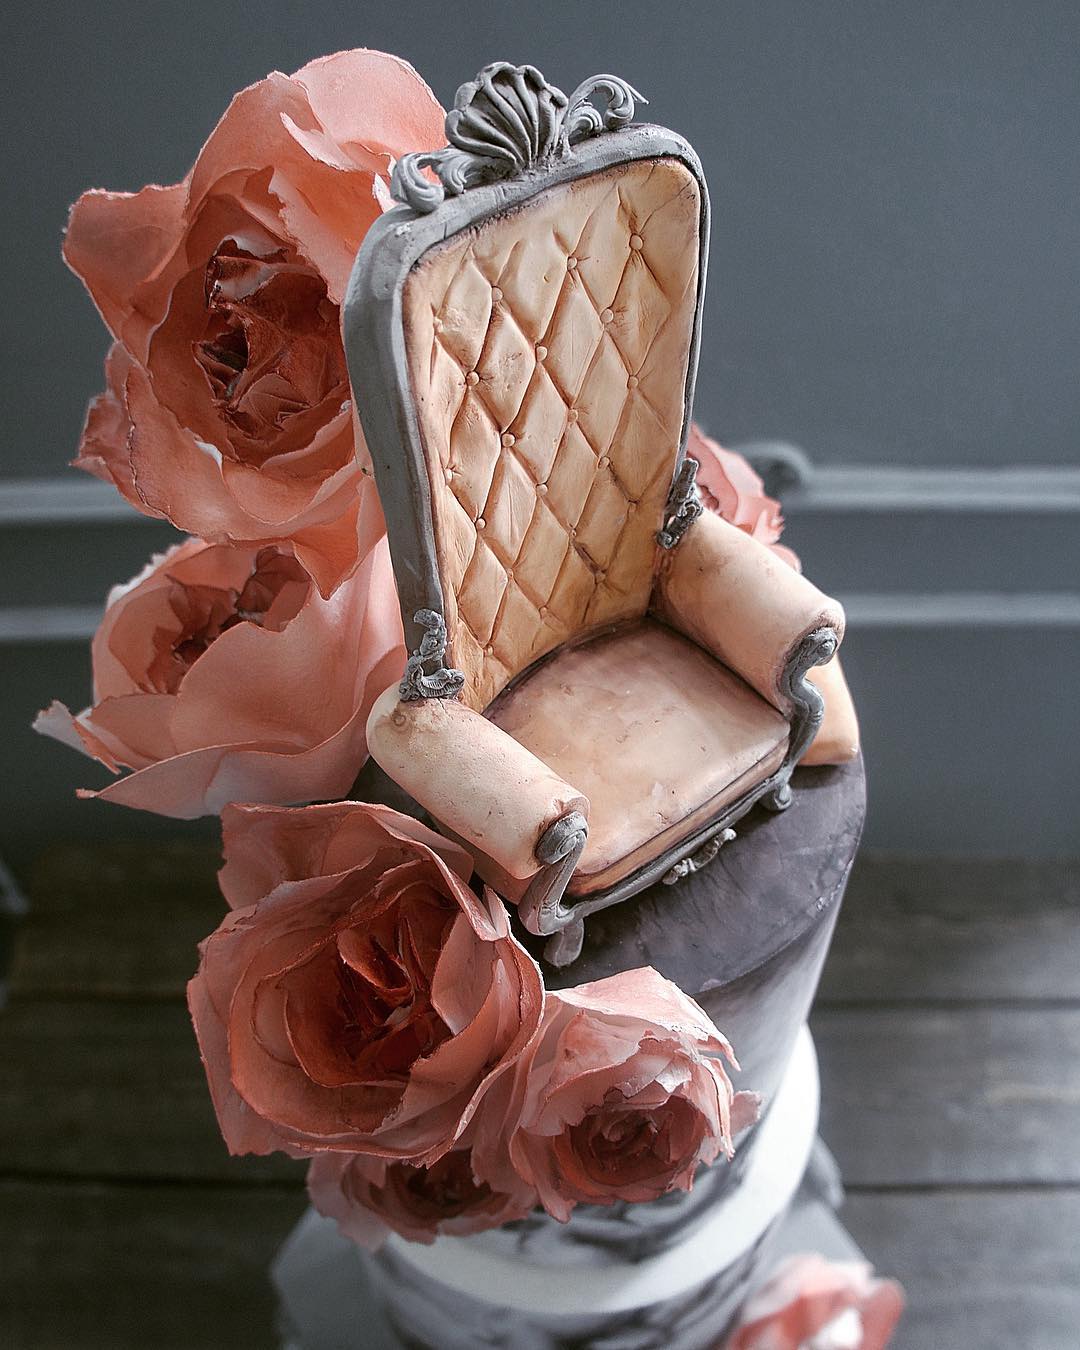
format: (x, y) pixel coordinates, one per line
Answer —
(837, 739)
(472, 777)
(743, 604)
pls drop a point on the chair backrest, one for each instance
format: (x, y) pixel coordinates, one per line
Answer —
(536, 344)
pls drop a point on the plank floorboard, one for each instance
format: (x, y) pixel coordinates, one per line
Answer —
(107, 1267)
(105, 1089)
(916, 1096)
(948, 1030)
(982, 1271)
(117, 918)
(946, 929)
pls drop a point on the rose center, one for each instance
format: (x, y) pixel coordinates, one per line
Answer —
(270, 349)
(272, 595)
(386, 1020)
(443, 1190)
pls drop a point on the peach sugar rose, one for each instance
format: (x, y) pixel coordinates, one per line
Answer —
(221, 673)
(228, 409)
(728, 485)
(360, 996)
(809, 1303)
(621, 1096)
(370, 1197)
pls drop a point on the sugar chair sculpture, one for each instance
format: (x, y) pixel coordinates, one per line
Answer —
(603, 678)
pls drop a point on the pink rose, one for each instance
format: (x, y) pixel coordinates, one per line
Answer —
(360, 996)
(221, 673)
(730, 487)
(228, 407)
(370, 1197)
(812, 1304)
(621, 1096)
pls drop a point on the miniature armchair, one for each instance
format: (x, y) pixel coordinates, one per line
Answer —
(603, 678)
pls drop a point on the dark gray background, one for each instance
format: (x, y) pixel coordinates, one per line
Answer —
(894, 281)
(895, 268)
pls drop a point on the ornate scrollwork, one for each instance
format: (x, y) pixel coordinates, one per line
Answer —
(420, 683)
(683, 505)
(698, 860)
(505, 122)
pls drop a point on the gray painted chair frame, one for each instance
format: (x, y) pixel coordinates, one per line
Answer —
(512, 135)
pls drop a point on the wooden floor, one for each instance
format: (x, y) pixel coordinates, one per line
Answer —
(948, 1029)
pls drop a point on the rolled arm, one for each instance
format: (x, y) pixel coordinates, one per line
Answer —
(472, 776)
(741, 602)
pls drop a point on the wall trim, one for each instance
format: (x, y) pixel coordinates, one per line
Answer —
(963, 609)
(74, 500)
(959, 610)
(1053, 490)
(1050, 489)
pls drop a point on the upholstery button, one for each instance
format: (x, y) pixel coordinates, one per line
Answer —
(543, 611)
(541, 489)
(481, 523)
(472, 378)
(489, 650)
(509, 574)
(636, 241)
(508, 438)
(632, 382)
(541, 352)
(449, 475)
(631, 507)
(604, 461)
(573, 533)
(496, 294)
(571, 262)
(607, 316)
(571, 415)
(437, 325)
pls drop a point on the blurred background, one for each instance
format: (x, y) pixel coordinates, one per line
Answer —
(893, 284)
(893, 291)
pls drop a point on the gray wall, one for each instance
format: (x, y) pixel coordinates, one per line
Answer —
(893, 286)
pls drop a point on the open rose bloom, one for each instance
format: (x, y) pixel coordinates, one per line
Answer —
(623, 1095)
(222, 674)
(370, 1197)
(728, 485)
(360, 996)
(228, 408)
(810, 1303)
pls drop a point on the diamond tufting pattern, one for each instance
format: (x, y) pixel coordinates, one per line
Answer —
(547, 355)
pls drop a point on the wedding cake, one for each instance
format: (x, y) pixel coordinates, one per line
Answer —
(538, 778)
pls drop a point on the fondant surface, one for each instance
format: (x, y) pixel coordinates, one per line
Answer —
(652, 730)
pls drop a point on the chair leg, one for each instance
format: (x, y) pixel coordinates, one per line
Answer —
(565, 945)
(779, 799)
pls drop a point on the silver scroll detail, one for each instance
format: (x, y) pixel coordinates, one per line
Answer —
(504, 122)
(683, 505)
(419, 682)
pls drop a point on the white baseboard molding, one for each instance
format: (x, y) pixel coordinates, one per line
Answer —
(961, 610)
(1049, 489)
(1034, 489)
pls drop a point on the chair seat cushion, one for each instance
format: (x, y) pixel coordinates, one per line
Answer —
(653, 730)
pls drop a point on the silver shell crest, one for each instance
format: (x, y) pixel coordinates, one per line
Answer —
(504, 122)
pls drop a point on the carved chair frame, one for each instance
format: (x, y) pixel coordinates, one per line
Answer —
(375, 344)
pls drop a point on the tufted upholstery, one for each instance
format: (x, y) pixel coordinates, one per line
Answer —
(547, 353)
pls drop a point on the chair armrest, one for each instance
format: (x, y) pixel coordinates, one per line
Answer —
(472, 776)
(741, 602)
(837, 739)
